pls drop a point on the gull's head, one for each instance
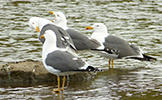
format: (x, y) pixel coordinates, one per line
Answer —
(97, 27)
(59, 17)
(33, 22)
(37, 23)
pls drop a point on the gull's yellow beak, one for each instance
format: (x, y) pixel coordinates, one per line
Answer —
(89, 28)
(51, 12)
(37, 29)
(42, 36)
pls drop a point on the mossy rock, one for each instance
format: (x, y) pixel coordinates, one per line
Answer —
(33, 72)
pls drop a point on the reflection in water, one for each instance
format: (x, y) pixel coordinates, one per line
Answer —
(59, 96)
(137, 22)
(119, 84)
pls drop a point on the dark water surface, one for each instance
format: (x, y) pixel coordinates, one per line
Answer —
(137, 21)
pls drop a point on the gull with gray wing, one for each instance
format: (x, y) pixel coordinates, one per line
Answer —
(80, 41)
(125, 50)
(42, 24)
(59, 61)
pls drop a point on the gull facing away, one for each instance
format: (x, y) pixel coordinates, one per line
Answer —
(125, 50)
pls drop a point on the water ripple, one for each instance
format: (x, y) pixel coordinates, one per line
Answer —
(136, 22)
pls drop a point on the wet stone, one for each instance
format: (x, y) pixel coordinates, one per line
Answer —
(33, 72)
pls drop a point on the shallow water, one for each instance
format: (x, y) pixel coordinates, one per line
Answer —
(138, 22)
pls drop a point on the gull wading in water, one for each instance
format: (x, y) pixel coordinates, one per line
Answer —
(125, 50)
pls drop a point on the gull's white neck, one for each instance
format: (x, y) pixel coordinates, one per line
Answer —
(48, 47)
(62, 24)
(100, 35)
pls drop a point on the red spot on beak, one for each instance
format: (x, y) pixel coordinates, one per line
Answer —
(88, 28)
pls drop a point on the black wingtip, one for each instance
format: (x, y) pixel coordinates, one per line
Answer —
(149, 58)
(90, 69)
(145, 58)
(110, 51)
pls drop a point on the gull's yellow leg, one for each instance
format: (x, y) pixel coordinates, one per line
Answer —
(57, 90)
(63, 83)
(109, 63)
(112, 64)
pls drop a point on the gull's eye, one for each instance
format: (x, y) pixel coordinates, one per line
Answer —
(57, 15)
(32, 22)
(97, 25)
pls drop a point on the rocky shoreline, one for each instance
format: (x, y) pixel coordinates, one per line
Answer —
(32, 72)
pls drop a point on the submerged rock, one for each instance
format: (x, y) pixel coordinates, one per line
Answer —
(33, 71)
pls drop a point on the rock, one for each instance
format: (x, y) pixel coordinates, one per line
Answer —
(32, 72)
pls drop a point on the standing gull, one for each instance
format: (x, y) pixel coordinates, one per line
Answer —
(42, 24)
(59, 61)
(125, 49)
(81, 42)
